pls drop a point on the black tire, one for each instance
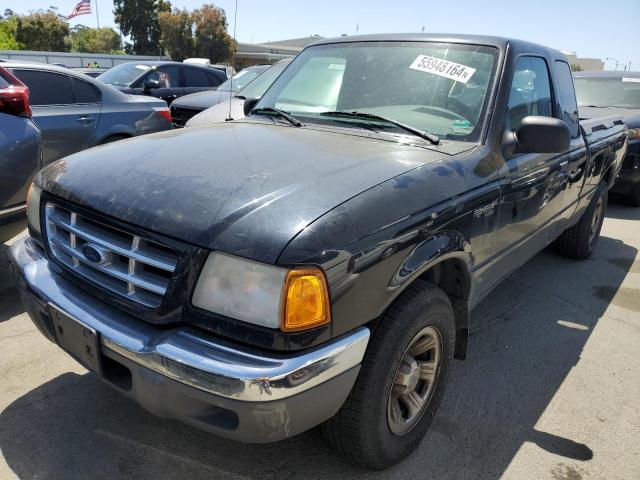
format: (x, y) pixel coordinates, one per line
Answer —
(360, 432)
(113, 138)
(580, 241)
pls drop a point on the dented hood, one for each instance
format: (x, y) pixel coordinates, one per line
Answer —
(243, 188)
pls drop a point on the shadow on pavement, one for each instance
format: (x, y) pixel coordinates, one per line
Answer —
(10, 305)
(623, 212)
(527, 336)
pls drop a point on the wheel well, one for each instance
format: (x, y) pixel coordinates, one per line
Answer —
(452, 277)
(114, 138)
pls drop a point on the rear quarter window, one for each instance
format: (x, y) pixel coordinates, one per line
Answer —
(217, 78)
(85, 92)
(566, 96)
(195, 78)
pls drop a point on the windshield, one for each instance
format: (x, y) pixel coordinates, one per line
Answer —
(240, 79)
(257, 87)
(436, 87)
(608, 92)
(123, 74)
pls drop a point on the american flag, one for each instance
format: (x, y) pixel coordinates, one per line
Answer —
(82, 8)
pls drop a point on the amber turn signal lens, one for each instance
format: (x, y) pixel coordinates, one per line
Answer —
(306, 300)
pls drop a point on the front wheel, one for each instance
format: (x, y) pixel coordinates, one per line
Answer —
(401, 381)
(580, 240)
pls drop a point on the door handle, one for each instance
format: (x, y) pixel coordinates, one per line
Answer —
(87, 119)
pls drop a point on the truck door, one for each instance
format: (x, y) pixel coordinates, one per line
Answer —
(533, 184)
(576, 157)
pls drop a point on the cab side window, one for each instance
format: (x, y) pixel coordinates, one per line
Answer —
(166, 76)
(195, 78)
(567, 97)
(530, 91)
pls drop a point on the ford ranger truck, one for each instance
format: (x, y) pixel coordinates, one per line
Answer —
(316, 262)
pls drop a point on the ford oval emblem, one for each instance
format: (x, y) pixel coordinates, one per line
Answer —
(94, 254)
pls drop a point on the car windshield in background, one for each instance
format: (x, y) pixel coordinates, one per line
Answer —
(239, 80)
(124, 74)
(608, 91)
(440, 88)
(257, 87)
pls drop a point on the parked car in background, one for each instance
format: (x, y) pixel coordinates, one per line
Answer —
(615, 93)
(165, 80)
(189, 105)
(20, 147)
(91, 72)
(234, 107)
(317, 261)
(227, 69)
(75, 112)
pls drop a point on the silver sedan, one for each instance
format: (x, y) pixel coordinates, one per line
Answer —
(75, 112)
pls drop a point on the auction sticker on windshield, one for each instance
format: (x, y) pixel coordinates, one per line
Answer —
(443, 68)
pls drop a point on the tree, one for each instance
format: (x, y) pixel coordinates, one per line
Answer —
(575, 67)
(176, 33)
(8, 34)
(95, 40)
(139, 20)
(42, 31)
(211, 38)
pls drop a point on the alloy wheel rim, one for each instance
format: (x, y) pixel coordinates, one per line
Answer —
(595, 220)
(414, 381)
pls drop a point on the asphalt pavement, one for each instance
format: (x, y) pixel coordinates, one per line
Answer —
(551, 389)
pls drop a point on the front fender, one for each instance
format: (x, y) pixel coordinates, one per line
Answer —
(437, 248)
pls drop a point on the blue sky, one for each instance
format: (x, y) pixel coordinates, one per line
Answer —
(592, 28)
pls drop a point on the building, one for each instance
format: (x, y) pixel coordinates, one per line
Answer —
(256, 53)
(588, 64)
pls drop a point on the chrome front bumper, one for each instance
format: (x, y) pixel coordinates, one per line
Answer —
(185, 374)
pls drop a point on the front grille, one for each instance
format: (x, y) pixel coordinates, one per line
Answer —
(181, 116)
(121, 262)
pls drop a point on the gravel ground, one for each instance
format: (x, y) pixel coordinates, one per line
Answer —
(551, 389)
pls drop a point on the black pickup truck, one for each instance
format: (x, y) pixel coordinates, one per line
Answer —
(317, 261)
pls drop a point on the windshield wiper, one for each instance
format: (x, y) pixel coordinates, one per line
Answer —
(280, 113)
(434, 139)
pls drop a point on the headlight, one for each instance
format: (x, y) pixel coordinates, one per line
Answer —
(33, 207)
(634, 133)
(291, 299)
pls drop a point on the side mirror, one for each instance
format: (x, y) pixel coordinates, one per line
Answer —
(537, 135)
(249, 103)
(150, 85)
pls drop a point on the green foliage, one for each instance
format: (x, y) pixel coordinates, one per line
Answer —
(42, 31)
(201, 33)
(176, 33)
(211, 38)
(8, 34)
(575, 67)
(139, 20)
(95, 40)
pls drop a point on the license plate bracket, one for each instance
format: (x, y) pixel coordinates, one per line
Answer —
(77, 339)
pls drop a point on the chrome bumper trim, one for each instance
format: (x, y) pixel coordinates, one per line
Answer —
(186, 354)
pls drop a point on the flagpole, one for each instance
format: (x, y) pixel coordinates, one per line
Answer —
(97, 16)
